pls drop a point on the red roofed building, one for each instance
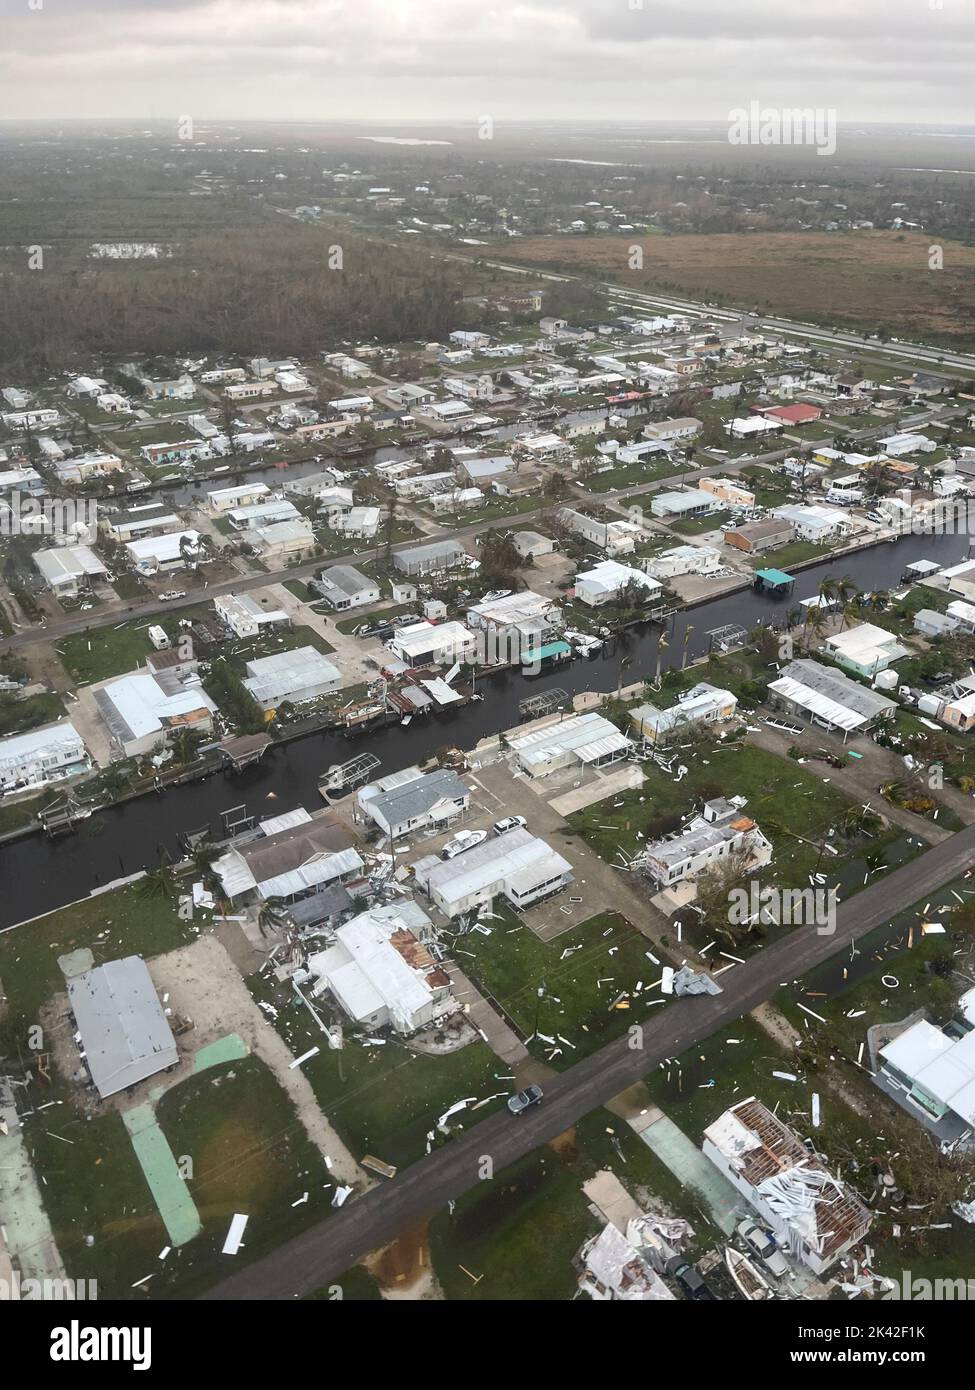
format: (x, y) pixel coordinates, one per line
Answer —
(792, 414)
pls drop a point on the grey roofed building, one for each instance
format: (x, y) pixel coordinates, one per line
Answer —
(434, 798)
(123, 1027)
(827, 695)
(309, 856)
(837, 687)
(320, 909)
(425, 559)
(345, 587)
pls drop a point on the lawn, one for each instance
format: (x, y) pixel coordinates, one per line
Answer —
(518, 1234)
(18, 716)
(105, 652)
(629, 474)
(384, 1100)
(237, 1134)
(796, 810)
(127, 921)
(250, 1154)
(696, 525)
(791, 554)
(607, 958)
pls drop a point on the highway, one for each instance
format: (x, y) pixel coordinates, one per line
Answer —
(650, 302)
(325, 1251)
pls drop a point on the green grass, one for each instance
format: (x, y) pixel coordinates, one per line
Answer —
(696, 525)
(795, 809)
(517, 1234)
(19, 814)
(250, 1154)
(247, 1153)
(129, 586)
(280, 640)
(93, 1186)
(512, 964)
(124, 922)
(18, 716)
(105, 652)
(630, 474)
(790, 554)
(384, 1100)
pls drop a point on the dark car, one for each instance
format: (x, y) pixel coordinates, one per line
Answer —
(531, 1095)
(690, 1281)
(938, 678)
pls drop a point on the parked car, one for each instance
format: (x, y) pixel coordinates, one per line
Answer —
(938, 678)
(690, 1281)
(762, 1245)
(509, 823)
(518, 1103)
(171, 594)
(464, 839)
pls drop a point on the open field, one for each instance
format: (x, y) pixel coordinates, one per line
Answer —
(859, 279)
(567, 988)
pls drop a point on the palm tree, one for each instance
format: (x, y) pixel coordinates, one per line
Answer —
(159, 883)
(204, 855)
(813, 625)
(846, 591)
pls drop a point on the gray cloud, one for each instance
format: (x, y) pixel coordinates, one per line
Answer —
(877, 60)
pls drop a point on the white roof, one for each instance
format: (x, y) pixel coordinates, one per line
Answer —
(227, 494)
(865, 641)
(431, 637)
(943, 1067)
(609, 576)
(816, 703)
(141, 703)
(513, 609)
(162, 548)
(48, 741)
(517, 855)
(367, 973)
(285, 675)
(589, 736)
(67, 562)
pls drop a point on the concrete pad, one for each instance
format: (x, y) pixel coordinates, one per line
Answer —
(232, 1048)
(691, 1169)
(608, 1194)
(75, 963)
(626, 778)
(158, 1164)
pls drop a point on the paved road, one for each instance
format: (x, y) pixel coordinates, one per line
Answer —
(114, 615)
(650, 301)
(240, 584)
(328, 1249)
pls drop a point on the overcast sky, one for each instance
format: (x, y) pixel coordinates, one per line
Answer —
(409, 60)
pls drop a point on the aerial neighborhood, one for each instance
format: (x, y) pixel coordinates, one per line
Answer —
(577, 699)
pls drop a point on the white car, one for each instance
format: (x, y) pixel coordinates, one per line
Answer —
(509, 823)
(464, 839)
(174, 593)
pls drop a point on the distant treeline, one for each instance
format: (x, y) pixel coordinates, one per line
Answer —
(268, 291)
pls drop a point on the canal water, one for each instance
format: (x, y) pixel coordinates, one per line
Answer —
(38, 874)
